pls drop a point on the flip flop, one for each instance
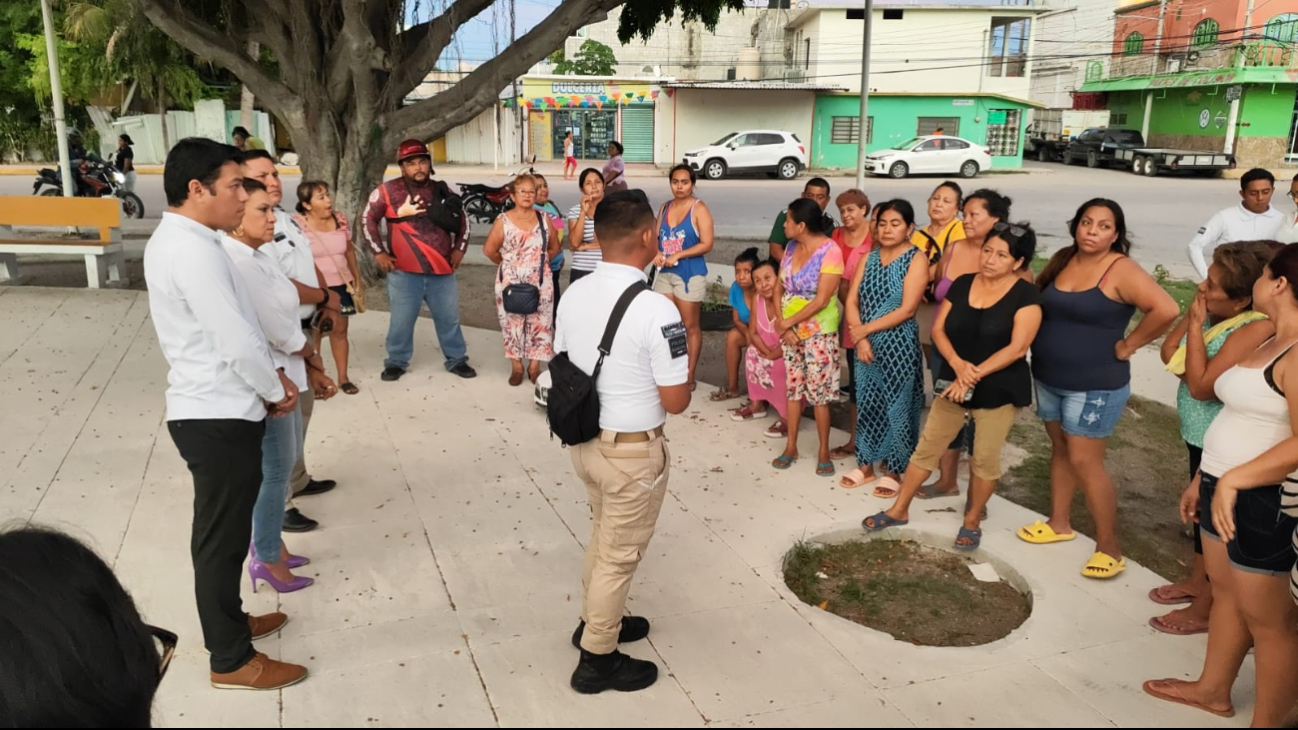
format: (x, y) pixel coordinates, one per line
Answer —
(349, 388)
(777, 430)
(1159, 625)
(886, 485)
(784, 462)
(516, 379)
(1159, 595)
(854, 479)
(825, 469)
(723, 394)
(882, 522)
(746, 414)
(1039, 533)
(930, 491)
(846, 451)
(1102, 566)
(1158, 689)
(975, 538)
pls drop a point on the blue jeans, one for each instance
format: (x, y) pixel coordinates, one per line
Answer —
(406, 294)
(281, 447)
(1091, 413)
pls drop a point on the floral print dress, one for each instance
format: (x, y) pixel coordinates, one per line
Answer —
(527, 336)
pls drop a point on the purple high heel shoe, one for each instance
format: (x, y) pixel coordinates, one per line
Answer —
(294, 561)
(257, 570)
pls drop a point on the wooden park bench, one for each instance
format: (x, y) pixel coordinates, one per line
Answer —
(105, 260)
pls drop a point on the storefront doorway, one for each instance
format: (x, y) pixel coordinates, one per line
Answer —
(592, 130)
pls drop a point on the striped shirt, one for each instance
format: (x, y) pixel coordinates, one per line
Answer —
(584, 260)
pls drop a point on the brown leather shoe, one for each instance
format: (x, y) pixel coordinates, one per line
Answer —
(263, 626)
(262, 673)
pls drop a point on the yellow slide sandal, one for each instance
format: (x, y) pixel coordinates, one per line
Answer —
(1039, 533)
(1102, 566)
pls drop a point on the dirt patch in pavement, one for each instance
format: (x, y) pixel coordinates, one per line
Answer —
(912, 592)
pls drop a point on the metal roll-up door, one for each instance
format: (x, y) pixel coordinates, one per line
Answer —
(638, 132)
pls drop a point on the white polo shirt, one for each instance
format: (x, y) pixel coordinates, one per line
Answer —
(291, 251)
(276, 301)
(1235, 223)
(221, 367)
(648, 350)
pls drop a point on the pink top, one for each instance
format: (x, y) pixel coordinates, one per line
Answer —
(851, 258)
(330, 250)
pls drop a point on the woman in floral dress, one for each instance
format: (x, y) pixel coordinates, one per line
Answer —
(522, 242)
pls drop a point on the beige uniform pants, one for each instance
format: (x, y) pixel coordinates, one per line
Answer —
(626, 480)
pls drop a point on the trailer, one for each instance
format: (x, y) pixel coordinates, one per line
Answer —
(1150, 161)
(1051, 129)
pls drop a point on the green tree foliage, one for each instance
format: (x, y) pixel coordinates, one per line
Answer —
(592, 59)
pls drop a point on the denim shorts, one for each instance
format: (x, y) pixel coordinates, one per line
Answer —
(1264, 536)
(1090, 414)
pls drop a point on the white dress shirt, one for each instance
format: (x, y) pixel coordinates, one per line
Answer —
(1235, 223)
(221, 367)
(291, 251)
(648, 349)
(1288, 232)
(276, 301)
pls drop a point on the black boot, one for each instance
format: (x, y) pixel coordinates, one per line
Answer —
(596, 673)
(633, 628)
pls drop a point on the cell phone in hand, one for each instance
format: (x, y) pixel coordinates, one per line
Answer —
(940, 387)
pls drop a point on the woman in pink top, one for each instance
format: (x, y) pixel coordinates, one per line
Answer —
(854, 239)
(336, 259)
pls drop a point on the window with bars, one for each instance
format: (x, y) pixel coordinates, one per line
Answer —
(1282, 28)
(1003, 132)
(930, 125)
(1205, 33)
(847, 130)
(1134, 45)
(1117, 120)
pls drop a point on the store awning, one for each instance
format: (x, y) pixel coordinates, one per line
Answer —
(754, 85)
(1216, 77)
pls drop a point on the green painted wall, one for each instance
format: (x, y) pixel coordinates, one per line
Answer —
(895, 120)
(1178, 111)
(1264, 111)
(1130, 103)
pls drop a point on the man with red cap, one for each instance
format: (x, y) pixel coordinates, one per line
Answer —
(427, 237)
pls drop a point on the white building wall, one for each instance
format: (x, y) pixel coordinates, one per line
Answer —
(930, 50)
(1069, 27)
(484, 140)
(694, 118)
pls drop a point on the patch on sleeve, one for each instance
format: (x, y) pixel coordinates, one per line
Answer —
(675, 336)
(1203, 229)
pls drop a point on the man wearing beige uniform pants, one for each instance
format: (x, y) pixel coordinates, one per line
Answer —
(643, 378)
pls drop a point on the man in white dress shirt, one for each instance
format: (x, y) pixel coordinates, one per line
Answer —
(1253, 219)
(222, 385)
(625, 469)
(1289, 229)
(291, 251)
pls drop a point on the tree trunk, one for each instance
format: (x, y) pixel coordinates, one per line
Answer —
(162, 114)
(246, 102)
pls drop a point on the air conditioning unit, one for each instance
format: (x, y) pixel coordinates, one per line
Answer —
(1174, 65)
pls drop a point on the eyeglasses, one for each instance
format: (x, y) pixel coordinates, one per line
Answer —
(166, 645)
(1293, 194)
(1013, 229)
(524, 192)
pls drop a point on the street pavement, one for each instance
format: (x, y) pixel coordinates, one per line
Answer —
(1162, 213)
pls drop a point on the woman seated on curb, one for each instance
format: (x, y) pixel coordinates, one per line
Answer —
(737, 340)
(983, 329)
(764, 363)
(1246, 501)
(1219, 330)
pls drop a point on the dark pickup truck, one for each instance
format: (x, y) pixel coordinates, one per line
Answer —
(1099, 147)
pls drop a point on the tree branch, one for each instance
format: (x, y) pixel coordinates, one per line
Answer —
(466, 99)
(206, 42)
(431, 38)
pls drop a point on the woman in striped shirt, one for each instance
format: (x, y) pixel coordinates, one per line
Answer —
(581, 225)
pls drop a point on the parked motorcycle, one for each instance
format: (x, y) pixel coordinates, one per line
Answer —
(485, 203)
(95, 179)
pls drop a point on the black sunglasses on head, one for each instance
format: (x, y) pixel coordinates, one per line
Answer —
(166, 645)
(1014, 230)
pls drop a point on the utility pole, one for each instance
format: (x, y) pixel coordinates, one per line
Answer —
(867, 22)
(1232, 120)
(518, 108)
(1153, 71)
(56, 90)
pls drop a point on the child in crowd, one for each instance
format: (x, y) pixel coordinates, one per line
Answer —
(737, 339)
(764, 361)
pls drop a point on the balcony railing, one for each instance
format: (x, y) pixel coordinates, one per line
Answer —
(1265, 54)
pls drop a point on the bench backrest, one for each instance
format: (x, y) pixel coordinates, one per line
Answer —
(37, 211)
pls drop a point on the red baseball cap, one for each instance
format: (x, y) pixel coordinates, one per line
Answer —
(412, 148)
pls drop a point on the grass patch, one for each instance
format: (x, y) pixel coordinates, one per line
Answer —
(1148, 463)
(914, 593)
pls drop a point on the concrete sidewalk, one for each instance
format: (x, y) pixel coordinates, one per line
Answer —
(449, 560)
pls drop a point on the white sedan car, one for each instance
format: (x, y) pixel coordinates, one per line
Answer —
(778, 154)
(937, 154)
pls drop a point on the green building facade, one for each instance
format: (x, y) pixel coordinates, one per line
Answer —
(994, 121)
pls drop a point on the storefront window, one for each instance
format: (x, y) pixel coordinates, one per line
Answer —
(592, 130)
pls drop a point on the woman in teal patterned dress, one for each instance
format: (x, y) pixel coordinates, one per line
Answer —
(889, 286)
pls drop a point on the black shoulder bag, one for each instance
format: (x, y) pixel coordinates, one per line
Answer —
(526, 298)
(573, 405)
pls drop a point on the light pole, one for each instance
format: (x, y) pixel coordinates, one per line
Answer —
(864, 134)
(56, 90)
